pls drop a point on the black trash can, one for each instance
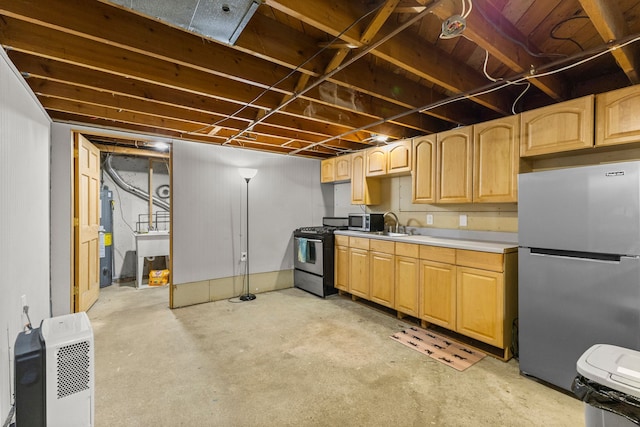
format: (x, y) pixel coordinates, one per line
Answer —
(608, 382)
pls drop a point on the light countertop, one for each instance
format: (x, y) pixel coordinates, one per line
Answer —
(471, 245)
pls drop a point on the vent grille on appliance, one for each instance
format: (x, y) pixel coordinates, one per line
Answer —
(73, 369)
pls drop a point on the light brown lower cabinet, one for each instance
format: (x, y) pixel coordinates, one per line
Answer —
(473, 293)
(480, 305)
(381, 274)
(341, 267)
(359, 267)
(438, 293)
(406, 283)
(359, 272)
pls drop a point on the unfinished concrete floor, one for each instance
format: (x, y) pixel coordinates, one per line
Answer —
(292, 359)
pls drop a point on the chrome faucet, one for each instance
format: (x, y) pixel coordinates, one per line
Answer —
(395, 217)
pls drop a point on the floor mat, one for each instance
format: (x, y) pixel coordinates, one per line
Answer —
(439, 347)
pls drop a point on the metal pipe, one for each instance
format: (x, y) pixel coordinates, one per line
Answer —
(330, 74)
(489, 87)
(130, 188)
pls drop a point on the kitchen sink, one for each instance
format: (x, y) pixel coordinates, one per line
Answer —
(390, 234)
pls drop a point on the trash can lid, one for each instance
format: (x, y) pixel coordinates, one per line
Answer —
(614, 367)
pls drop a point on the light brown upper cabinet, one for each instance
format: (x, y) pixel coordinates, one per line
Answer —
(617, 115)
(454, 152)
(399, 157)
(560, 127)
(423, 187)
(389, 159)
(343, 168)
(328, 170)
(363, 191)
(376, 159)
(495, 168)
(336, 169)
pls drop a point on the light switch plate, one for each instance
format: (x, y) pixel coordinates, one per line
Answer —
(429, 219)
(463, 220)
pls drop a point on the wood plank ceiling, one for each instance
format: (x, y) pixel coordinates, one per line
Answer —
(317, 78)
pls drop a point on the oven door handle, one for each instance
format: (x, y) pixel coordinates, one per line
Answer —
(309, 240)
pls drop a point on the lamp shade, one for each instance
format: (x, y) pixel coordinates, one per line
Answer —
(247, 173)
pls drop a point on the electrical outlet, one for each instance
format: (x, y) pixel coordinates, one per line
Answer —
(243, 256)
(23, 298)
(463, 220)
(429, 219)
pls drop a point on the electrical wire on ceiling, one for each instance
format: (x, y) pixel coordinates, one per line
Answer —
(513, 106)
(486, 73)
(556, 27)
(516, 41)
(456, 24)
(290, 74)
(484, 67)
(494, 86)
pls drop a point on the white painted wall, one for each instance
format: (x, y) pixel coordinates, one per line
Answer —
(209, 209)
(24, 216)
(61, 218)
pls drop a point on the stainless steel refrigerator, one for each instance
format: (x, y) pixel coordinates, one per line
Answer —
(579, 265)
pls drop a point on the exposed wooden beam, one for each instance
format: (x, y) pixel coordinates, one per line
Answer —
(185, 130)
(284, 45)
(56, 71)
(27, 37)
(125, 116)
(64, 47)
(109, 24)
(483, 32)
(24, 36)
(52, 89)
(409, 9)
(404, 50)
(607, 17)
(342, 53)
(378, 21)
(130, 151)
(114, 26)
(317, 152)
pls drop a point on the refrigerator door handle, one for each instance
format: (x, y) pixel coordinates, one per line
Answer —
(585, 256)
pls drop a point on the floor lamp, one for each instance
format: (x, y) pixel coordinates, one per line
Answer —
(247, 174)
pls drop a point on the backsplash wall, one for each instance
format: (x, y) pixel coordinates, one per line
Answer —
(396, 197)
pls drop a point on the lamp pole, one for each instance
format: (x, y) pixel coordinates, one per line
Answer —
(247, 174)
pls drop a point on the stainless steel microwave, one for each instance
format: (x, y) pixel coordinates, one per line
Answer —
(366, 222)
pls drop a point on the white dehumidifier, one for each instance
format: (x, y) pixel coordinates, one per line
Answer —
(54, 373)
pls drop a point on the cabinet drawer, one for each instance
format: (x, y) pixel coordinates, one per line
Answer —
(483, 260)
(342, 240)
(436, 253)
(408, 249)
(359, 242)
(384, 246)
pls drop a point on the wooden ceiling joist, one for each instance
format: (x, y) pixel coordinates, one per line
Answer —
(258, 38)
(137, 34)
(609, 21)
(404, 50)
(313, 78)
(485, 34)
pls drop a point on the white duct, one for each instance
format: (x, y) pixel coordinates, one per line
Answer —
(130, 188)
